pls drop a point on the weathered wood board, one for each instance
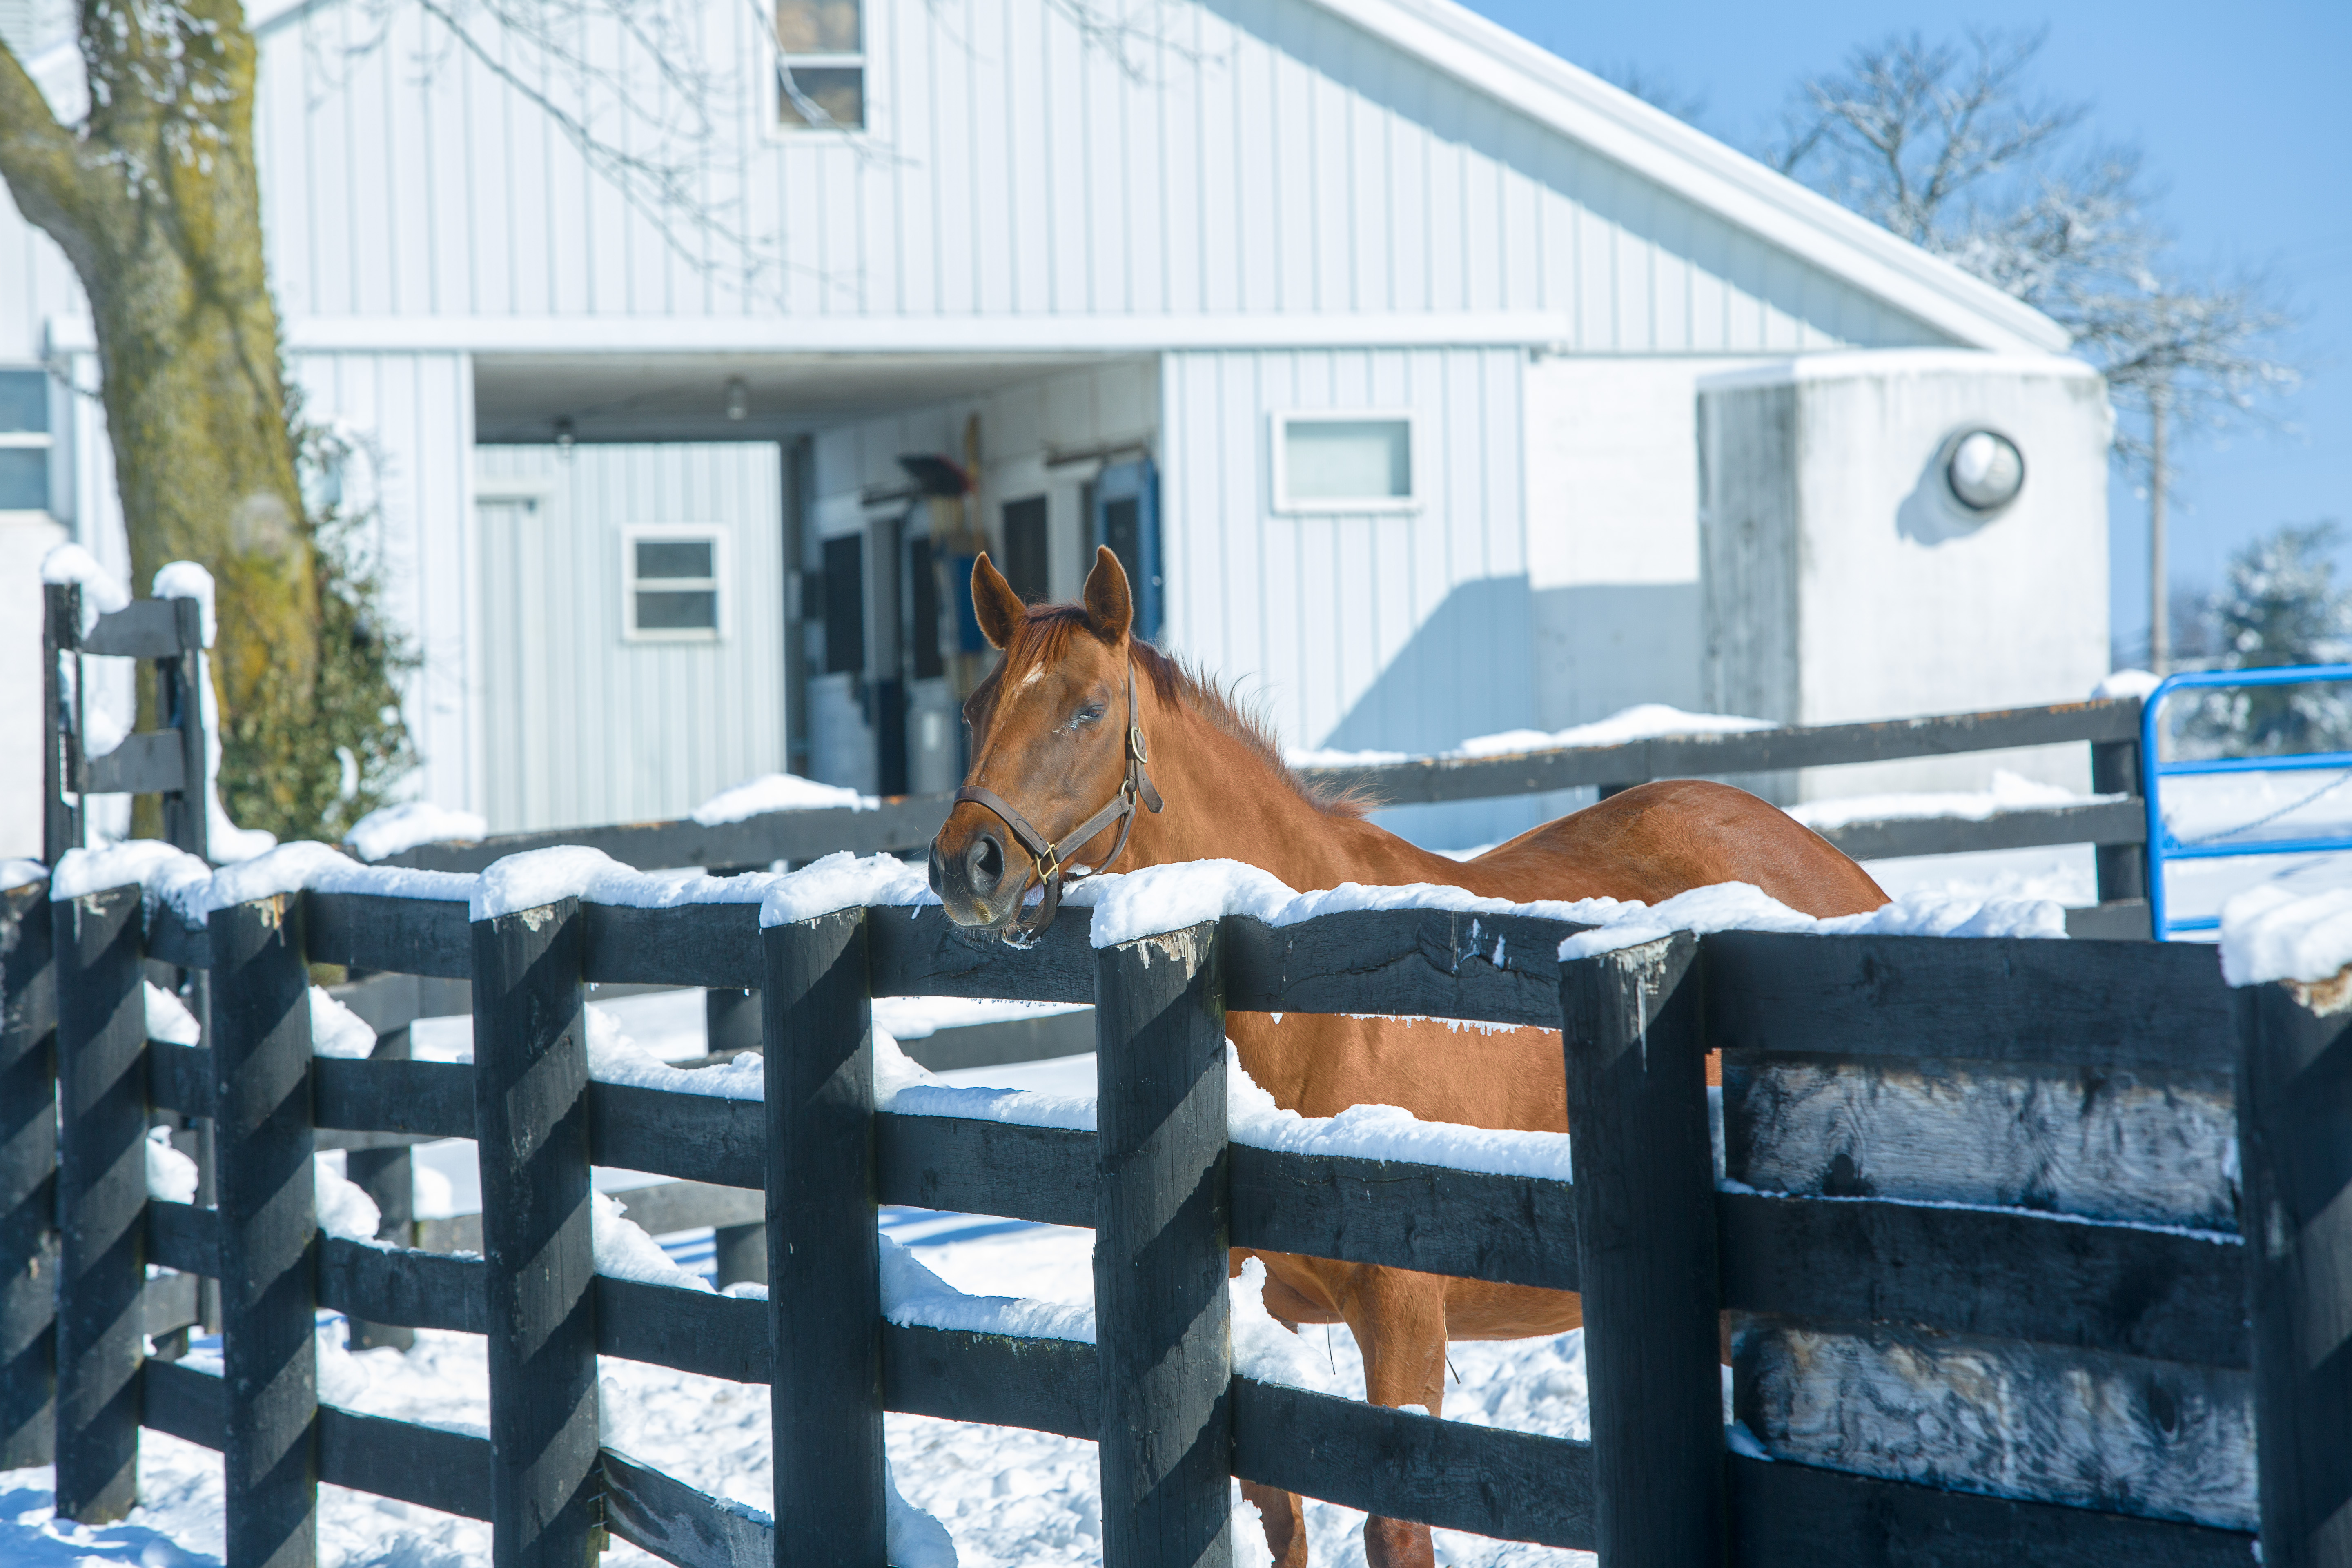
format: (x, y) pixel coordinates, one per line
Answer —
(2153, 1147)
(2046, 1423)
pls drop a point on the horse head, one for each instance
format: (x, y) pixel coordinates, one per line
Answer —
(1057, 748)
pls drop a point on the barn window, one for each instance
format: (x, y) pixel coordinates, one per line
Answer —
(820, 65)
(1342, 462)
(24, 440)
(671, 584)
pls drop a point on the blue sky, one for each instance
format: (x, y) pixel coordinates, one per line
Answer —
(2246, 122)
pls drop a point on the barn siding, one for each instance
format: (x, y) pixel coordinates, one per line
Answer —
(581, 726)
(1272, 158)
(409, 418)
(1381, 629)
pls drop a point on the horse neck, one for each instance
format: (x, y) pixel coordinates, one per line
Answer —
(1225, 801)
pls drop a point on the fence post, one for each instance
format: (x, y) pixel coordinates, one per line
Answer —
(101, 1200)
(530, 1114)
(262, 1144)
(180, 682)
(60, 743)
(2121, 867)
(1644, 1194)
(2294, 1139)
(825, 1307)
(1162, 1226)
(28, 1163)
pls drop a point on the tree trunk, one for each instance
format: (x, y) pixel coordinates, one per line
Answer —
(156, 203)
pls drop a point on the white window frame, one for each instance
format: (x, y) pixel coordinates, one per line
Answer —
(1278, 426)
(717, 533)
(778, 62)
(46, 441)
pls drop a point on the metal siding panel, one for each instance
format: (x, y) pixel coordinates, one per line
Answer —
(1449, 194)
(1521, 236)
(1331, 157)
(1366, 133)
(1144, 236)
(1019, 136)
(329, 190)
(1267, 158)
(916, 262)
(955, 168)
(1481, 283)
(1244, 541)
(1257, 226)
(373, 172)
(1635, 252)
(1068, 216)
(411, 411)
(406, 114)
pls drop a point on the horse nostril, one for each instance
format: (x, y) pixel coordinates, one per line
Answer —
(985, 863)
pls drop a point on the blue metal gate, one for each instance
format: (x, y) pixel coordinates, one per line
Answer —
(2164, 848)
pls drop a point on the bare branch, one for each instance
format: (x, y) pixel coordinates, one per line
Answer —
(40, 159)
(1944, 144)
(649, 137)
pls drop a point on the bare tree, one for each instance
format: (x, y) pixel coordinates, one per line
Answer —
(1947, 144)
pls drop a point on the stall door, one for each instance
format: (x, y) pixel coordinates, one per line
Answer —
(1126, 517)
(629, 631)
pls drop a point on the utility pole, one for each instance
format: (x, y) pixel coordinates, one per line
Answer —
(2160, 633)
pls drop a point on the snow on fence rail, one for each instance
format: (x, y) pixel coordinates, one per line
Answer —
(1978, 1232)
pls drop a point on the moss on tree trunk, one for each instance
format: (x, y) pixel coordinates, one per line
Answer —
(155, 202)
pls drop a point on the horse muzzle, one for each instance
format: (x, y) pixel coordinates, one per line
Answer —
(973, 870)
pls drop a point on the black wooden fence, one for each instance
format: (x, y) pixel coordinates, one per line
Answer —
(170, 763)
(2110, 727)
(1911, 1337)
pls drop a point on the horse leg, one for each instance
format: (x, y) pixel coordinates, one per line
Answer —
(1285, 1523)
(1398, 1320)
(1281, 1512)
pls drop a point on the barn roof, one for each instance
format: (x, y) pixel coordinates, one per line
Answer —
(1492, 60)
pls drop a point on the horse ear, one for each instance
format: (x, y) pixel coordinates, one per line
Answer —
(1110, 607)
(993, 603)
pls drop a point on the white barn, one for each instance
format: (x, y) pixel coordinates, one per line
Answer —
(1438, 388)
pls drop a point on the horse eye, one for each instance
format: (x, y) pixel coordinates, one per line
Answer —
(1091, 712)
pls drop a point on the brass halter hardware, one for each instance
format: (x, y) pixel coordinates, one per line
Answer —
(1048, 860)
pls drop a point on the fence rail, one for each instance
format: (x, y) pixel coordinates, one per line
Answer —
(2101, 1084)
(2111, 727)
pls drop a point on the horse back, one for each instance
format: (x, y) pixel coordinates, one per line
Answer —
(1655, 840)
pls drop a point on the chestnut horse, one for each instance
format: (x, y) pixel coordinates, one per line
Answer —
(1061, 726)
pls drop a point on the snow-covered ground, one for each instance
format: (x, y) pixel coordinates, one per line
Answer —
(1006, 1496)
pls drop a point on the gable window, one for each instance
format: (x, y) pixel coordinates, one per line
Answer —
(670, 584)
(1342, 462)
(24, 440)
(820, 65)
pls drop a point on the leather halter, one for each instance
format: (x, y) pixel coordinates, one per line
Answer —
(1050, 860)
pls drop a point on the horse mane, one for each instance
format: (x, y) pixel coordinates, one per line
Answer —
(1046, 631)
